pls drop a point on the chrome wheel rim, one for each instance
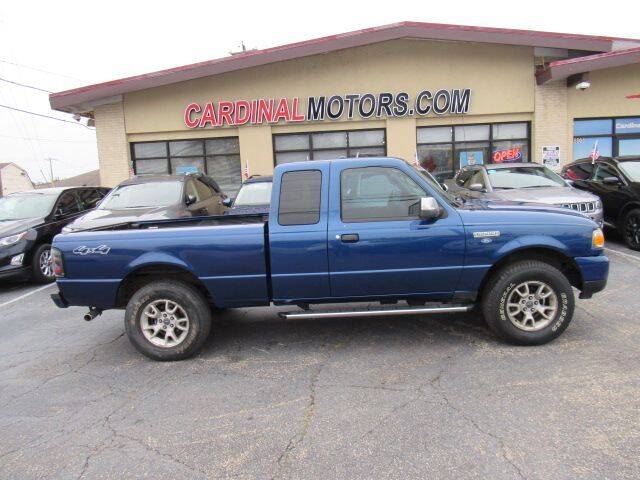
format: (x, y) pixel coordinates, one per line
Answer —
(164, 323)
(532, 306)
(44, 262)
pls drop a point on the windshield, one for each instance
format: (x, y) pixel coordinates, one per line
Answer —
(631, 170)
(153, 194)
(435, 184)
(523, 177)
(254, 194)
(17, 207)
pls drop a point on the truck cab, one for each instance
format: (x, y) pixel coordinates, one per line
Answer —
(340, 231)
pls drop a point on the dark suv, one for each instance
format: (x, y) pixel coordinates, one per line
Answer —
(154, 197)
(617, 182)
(30, 220)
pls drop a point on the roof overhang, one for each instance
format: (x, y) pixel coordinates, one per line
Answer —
(79, 99)
(572, 66)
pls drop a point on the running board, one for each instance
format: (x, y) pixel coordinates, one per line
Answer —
(376, 312)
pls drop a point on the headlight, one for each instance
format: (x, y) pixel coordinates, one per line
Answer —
(597, 239)
(6, 241)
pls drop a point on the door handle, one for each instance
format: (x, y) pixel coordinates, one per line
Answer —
(349, 238)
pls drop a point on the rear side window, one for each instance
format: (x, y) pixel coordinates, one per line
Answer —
(603, 171)
(67, 204)
(204, 192)
(300, 198)
(90, 197)
(463, 176)
(581, 171)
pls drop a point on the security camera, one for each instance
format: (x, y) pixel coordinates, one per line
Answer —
(583, 85)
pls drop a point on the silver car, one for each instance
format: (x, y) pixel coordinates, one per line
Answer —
(525, 182)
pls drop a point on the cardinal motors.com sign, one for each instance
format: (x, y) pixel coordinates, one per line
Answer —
(334, 107)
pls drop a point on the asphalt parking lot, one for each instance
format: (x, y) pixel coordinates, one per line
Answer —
(433, 397)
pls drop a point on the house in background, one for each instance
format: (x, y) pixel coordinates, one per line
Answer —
(13, 179)
(87, 179)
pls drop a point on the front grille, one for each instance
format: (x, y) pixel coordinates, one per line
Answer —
(582, 207)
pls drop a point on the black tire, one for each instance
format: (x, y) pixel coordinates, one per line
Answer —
(37, 275)
(190, 300)
(499, 289)
(630, 229)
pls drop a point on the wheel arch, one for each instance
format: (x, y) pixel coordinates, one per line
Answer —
(144, 274)
(546, 254)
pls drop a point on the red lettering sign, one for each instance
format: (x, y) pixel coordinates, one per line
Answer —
(508, 155)
(189, 118)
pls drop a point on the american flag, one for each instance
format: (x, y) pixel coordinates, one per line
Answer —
(595, 154)
(246, 170)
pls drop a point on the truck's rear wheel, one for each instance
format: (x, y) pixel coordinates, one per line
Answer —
(168, 320)
(528, 303)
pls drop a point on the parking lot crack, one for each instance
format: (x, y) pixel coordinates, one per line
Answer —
(505, 451)
(284, 459)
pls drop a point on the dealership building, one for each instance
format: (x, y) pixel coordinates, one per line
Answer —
(443, 95)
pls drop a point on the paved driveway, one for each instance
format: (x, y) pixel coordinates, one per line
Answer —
(432, 397)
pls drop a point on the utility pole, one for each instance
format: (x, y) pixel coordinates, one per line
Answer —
(50, 160)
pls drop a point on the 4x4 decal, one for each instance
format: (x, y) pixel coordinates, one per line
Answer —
(83, 250)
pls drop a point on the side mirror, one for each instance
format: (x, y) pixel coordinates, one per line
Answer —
(611, 181)
(445, 187)
(190, 200)
(429, 208)
(476, 187)
(227, 202)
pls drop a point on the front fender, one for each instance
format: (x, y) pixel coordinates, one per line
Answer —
(484, 252)
(529, 241)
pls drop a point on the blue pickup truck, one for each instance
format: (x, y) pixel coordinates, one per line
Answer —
(338, 232)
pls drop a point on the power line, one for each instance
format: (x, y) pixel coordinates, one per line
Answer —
(47, 139)
(39, 70)
(45, 116)
(25, 85)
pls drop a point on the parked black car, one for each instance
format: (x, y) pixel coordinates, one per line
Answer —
(30, 220)
(154, 197)
(617, 182)
(254, 196)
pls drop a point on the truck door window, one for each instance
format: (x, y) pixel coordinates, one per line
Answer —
(300, 197)
(378, 193)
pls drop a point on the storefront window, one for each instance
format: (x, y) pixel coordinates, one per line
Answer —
(296, 147)
(444, 150)
(583, 147)
(218, 157)
(606, 137)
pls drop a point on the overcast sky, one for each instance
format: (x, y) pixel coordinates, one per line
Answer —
(65, 44)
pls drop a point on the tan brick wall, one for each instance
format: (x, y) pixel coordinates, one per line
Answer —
(113, 150)
(550, 126)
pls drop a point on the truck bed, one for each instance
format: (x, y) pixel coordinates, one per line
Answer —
(228, 255)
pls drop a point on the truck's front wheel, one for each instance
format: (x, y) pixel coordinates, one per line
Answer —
(528, 303)
(167, 320)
